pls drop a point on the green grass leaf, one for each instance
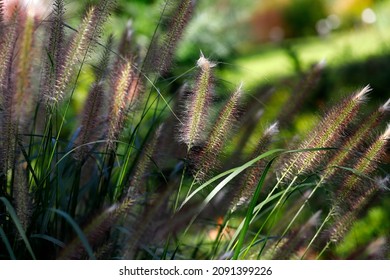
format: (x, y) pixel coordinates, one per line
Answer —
(51, 239)
(78, 231)
(18, 225)
(7, 244)
(250, 210)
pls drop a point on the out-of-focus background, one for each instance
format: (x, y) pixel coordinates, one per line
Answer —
(262, 42)
(259, 41)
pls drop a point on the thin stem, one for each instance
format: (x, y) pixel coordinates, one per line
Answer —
(318, 185)
(278, 203)
(326, 247)
(327, 218)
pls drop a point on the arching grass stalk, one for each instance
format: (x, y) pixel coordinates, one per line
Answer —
(270, 197)
(319, 230)
(317, 186)
(237, 247)
(258, 208)
(231, 174)
(281, 200)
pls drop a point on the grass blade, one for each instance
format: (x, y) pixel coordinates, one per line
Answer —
(233, 173)
(251, 208)
(7, 244)
(51, 239)
(18, 225)
(78, 231)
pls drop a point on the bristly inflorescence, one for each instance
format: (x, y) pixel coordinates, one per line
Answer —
(7, 88)
(249, 180)
(76, 52)
(197, 105)
(91, 128)
(78, 49)
(367, 163)
(350, 150)
(347, 210)
(55, 50)
(6, 51)
(125, 88)
(329, 133)
(22, 196)
(1, 18)
(137, 183)
(162, 50)
(358, 186)
(24, 94)
(206, 159)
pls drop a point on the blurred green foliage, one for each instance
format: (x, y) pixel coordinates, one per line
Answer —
(366, 231)
(301, 16)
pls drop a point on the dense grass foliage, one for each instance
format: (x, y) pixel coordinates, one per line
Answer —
(153, 168)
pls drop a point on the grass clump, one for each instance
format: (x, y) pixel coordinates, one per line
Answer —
(155, 171)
